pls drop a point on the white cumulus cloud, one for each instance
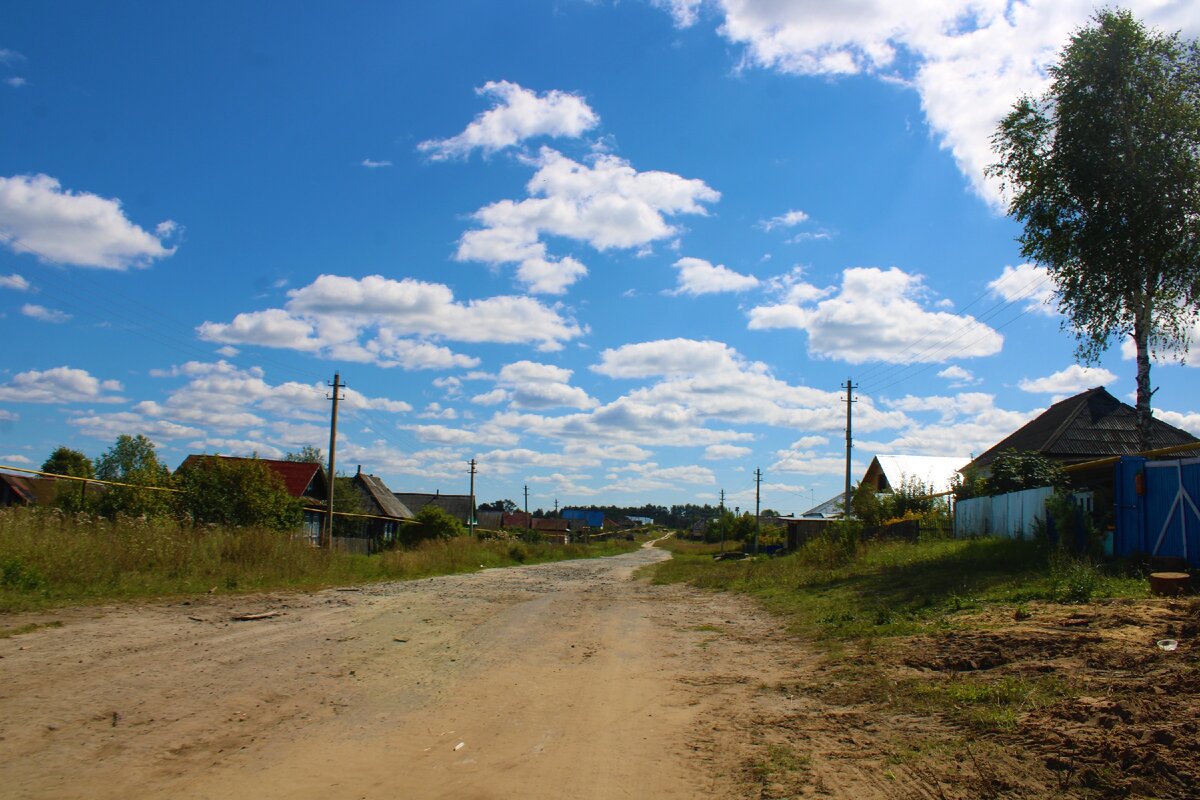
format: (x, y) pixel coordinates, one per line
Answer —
(1028, 285)
(517, 114)
(389, 322)
(43, 314)
(63, 227)
(1071, 380)
(18, 283)
(605, 204)
(667, 357)
(697, 277)
(968, 60)
(788, 219)
(528, 384)
(958, 377)
(877, 315)
(722, 452)
(59, 385)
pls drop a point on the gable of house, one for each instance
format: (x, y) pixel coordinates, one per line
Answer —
(381, 499)
(16, 490)
(887, 473)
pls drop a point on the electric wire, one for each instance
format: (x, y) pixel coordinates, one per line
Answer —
(924, 360)
(892, 365)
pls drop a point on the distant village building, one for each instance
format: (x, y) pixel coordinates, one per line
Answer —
(592, 519)
(459, 506)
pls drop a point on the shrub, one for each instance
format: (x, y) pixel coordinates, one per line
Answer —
(431, 522)
(235, 491)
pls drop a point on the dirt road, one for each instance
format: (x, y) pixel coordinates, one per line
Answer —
(549, 681)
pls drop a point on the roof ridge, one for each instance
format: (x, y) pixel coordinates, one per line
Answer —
(1081, 403)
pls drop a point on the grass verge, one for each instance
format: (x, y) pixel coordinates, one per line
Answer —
(827, 590)
(48, 559)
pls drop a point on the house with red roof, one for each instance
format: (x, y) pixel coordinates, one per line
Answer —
(303, 480)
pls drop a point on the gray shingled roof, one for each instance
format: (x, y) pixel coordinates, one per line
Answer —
(1090, 425)
(456, 505)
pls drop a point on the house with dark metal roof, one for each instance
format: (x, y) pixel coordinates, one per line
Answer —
(1091, 425)
(459, 506)
(379, 501)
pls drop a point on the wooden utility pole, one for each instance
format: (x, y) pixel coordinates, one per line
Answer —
(471, 517)
(850, 401)
(721, 520)
(528, 519)
(337, 386)
(757, 506)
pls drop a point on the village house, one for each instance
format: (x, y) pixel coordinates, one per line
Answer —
(1089, 426)
(304, 480)
(381, 503)
(459, 506)
(935, 474)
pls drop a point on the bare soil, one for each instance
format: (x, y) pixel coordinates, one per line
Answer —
(569, 680)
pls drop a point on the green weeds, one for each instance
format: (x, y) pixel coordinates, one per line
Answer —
(48, 558)
(780, 760)
(30, 627)
(830, 589)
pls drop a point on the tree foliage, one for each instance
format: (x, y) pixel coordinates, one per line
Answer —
(348, 499)
(503, 506)
(236, 491)
(431, 523)
(866, 505)
(1012, 471)
(1103, 170)
(70, 496)
(307, 454)
(65, 461)
(133, 460)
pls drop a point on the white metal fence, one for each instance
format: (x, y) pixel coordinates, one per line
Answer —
(1011, 515)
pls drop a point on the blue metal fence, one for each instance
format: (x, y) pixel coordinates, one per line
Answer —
(1157, 511)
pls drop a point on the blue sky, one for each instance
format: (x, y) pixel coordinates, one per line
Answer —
(620, 252)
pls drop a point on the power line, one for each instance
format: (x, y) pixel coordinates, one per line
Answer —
(1023, 293)
(924, 355)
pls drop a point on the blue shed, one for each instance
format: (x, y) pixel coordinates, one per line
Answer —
(1156, 508)
(593, 519)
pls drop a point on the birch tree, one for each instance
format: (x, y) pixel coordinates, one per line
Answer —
(1103, 170)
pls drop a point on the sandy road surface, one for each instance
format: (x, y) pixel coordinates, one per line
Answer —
(559, 680)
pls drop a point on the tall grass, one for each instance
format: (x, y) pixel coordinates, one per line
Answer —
(48, 558)
(834, 588)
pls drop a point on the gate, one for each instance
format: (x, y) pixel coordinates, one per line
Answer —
(1156, 508)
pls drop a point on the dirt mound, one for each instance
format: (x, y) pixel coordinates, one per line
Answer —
(1126, 723)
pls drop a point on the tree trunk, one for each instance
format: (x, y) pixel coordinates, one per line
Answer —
(1141, 338)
